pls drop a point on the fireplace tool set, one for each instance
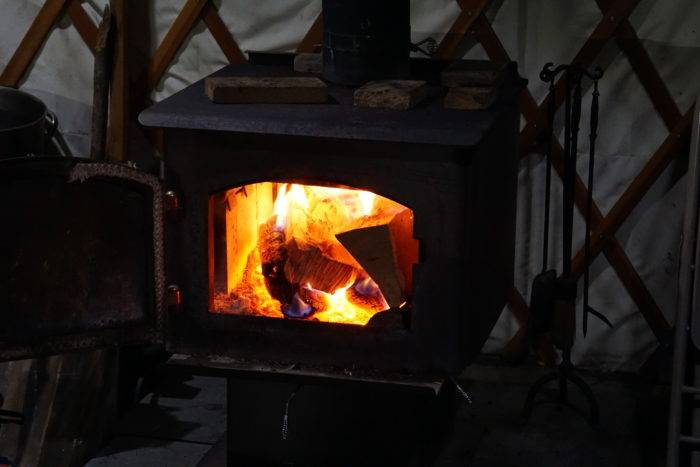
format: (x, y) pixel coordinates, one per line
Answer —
(553, 298)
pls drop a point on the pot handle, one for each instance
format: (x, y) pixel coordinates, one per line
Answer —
(55, 136)
(52, 120)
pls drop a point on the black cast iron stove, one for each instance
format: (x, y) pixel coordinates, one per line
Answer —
(97, 254)
(454, 170)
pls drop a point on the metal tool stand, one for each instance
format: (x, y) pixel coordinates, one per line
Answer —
(564, 301)
(683, 425)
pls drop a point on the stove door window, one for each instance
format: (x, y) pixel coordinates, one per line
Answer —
(306, 252)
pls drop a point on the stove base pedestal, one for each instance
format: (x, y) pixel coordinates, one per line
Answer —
(341, 424)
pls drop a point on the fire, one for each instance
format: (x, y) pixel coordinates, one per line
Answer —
(340, 309)
(283, 258)
(367, 201)
(281, 207)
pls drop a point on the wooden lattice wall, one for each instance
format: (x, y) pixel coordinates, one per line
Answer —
(471, 21)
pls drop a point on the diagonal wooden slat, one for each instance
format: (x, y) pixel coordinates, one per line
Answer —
(450, 44)
(615, 253)
(639, 293)
(624, 206)
(616, 256)
(518, 306)
(173, 40)
(32, 42)
(82, 22)
(678, 125)
(612, 18)
(642, 65)
(313, 36)
(222, 35)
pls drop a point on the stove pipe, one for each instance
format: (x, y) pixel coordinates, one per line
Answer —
(365, 40)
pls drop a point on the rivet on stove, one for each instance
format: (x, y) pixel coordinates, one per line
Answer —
(172, 204)
(174, 296)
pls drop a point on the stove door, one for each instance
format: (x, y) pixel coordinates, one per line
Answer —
(81, 263)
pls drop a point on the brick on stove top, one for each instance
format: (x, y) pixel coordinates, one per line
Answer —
(266, 90)
(470, 97)
(391, 94)
(474, 73)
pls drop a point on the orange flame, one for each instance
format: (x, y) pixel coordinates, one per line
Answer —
(311, 216)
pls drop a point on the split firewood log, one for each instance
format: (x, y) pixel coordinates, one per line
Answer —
(367, 294)
(273, 256)
(314, 298)
(387, 253)
(372, 248)
(306, 264)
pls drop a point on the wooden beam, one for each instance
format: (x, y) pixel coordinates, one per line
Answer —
(449, 46)
(118, 131)
(639, 293)
(606, 229)
(222, 35)
(173, 40)
(31, 43)
(313, 37)
(518, 306)
(616, 255)
(656, 89)
(614, 252)
(83, 24)
(627, 40)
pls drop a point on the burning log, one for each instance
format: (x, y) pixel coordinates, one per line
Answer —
(273, 256)
(387, 253)
(306, 264)
(298, 308)
(247, 208)
(366, 293)
(372, 248)
(314, 298)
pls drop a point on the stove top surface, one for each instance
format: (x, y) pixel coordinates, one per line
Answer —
(428, 123)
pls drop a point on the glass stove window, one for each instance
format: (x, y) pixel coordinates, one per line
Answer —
(310, 252)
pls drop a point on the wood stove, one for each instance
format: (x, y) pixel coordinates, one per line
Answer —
(95, 253)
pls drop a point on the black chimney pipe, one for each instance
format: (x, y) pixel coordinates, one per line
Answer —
(365, 40)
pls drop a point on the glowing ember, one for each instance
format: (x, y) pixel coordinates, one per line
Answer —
(339, 309)
(283, 258)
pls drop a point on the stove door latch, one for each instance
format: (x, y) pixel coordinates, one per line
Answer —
(174, 297)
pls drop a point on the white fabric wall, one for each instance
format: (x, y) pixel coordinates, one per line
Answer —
(533, 32)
